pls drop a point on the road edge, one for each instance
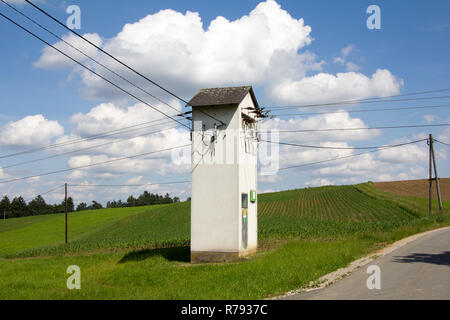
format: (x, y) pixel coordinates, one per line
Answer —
(334, 276)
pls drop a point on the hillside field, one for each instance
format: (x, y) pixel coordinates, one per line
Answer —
(143, 252)
(416, 188)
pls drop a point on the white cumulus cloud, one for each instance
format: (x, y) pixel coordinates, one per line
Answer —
(325, 87)
(33, 130)
(267, 48)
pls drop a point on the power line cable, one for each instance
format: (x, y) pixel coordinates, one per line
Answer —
(50, 191)
(88, 138)
(127, 185)
(166, 90)
(187, 103)
(118, 60)
(356, 102)
(44, 193)
(87, 148)
(93, 164)
(364, 110)
(92, 71)
(89, 57)
(442, 142)
(105, 52)
(336, 148)
(367, 128)
(345, 157)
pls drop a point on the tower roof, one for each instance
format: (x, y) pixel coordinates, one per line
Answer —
(222, 96)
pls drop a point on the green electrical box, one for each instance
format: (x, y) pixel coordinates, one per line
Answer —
(252, 196)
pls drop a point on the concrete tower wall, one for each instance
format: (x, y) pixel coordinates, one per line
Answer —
(223, 167)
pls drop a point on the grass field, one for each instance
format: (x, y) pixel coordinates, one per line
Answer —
(144, 252)
(20, 234)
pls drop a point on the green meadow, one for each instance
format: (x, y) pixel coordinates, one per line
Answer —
(143, 252)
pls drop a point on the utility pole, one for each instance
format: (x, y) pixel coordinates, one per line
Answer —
(65, 201)
(436, 177)
(430, 179)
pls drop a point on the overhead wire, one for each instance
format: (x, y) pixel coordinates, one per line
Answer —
(351, 102)
(88, 138)
(87, 148)
(118, 60)
(345, 157)
(337, 129)
(362, 128)
(91, 165)
(336, 148)
(364, 110)
(44, 193)
(442, 142)
(127, 185)
(92, 71)
(88, 56)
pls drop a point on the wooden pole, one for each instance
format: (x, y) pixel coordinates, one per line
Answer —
(65, 188)
(430, 179)
(436, 174)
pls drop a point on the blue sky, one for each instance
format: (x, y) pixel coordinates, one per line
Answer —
(411, 48)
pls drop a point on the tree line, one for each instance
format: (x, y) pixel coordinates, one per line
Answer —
(145, 199)
(18, 207)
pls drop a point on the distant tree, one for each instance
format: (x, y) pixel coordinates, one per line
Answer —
(95, 205)
(188, 199)
(38, 206)
(82, 206)
(5, 204)
(131, 201)
(19, 207)
(70, 204)
(59, 208)
(176, 199)
(167, 199)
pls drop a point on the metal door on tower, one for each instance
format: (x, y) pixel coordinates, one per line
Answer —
(244, 201)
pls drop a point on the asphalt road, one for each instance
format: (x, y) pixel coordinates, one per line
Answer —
(417, 270)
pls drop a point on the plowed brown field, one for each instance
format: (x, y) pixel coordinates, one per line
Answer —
(416, 188)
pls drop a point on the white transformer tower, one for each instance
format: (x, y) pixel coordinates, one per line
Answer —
(224, 174)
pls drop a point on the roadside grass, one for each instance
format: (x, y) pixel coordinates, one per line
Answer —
(167, 274)
(49, 229)
(143, 252)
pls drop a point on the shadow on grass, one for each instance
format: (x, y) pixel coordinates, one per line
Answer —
(180, 254)
(439, 259)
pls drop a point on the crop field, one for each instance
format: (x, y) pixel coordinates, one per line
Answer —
(303, 213)
(327, 211)
(416, 188)
(143, 252)
(341, 204)
(19, 234)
